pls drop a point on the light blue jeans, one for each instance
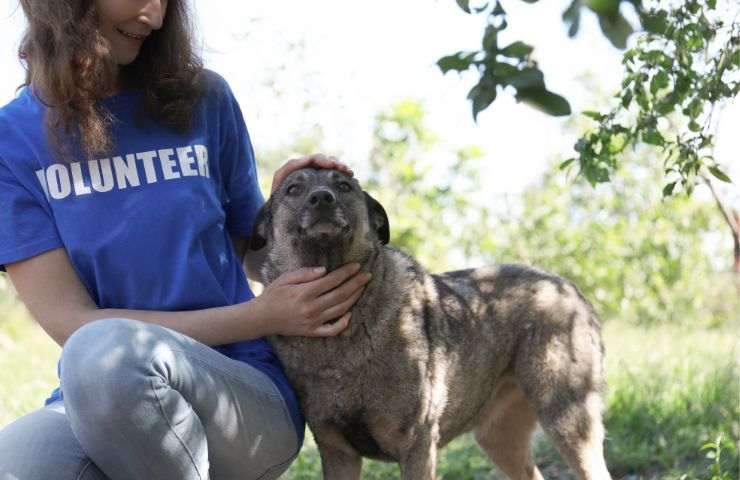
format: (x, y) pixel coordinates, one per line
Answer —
(142, 402)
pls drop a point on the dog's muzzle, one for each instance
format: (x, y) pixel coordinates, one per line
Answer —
(321, 217)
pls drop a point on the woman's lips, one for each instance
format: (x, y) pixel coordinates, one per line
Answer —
(134, 36)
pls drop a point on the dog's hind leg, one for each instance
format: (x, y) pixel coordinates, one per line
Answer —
(577, 432)
(559, 367)
(505, 432)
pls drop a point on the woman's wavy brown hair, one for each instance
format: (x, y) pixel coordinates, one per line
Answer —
(70, 68)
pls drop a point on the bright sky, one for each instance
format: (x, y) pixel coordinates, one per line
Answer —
(337, 63)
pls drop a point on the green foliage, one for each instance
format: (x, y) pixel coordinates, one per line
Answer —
(714, 452)
(683, 67)
(613, 25)
(501, 66)
(428, 203)
(661, 420)
(670, 390)
(635, 256)
(28, 359)
(513, 65)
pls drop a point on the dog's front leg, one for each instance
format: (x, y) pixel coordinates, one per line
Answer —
(419, 462)
(340, 465)
(339, 461)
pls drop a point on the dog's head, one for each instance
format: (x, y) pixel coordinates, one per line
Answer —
(319, 217)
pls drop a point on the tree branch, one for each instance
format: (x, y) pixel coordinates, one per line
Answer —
(727, 213)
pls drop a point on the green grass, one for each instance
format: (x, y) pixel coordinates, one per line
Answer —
(27, 364)
(672, 390)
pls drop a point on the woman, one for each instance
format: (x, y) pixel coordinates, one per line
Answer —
(127, 193)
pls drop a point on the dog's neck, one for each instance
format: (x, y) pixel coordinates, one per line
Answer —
(329, 256)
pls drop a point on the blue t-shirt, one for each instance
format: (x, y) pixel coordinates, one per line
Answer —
(147, 227)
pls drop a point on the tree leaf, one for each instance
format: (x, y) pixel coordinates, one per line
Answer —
(464, 4)
(655, 22)
(572, 17)
(659, 80)
(482, 95)
(581, 145)
(592, 114)
(482, 8)
(565, 164)
(668, 189)
(616, 28)
(627, 98)
(719, 174)
(498, 9)
(517, 49)
(460, 61)
(527, 78)
(666, 104)
(603, 7)
(490, 39)
(544, 100)
(653, 137)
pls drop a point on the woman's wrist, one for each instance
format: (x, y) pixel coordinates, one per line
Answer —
(257, 315)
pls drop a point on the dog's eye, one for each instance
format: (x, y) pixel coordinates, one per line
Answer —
(293, 190)
(344, 187)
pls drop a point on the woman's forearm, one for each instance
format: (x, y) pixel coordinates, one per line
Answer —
(212, 326)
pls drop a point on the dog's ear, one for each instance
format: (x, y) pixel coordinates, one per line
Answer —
(378, 219)
(261, 226)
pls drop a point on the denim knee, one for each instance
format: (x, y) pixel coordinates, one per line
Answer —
(102, 363)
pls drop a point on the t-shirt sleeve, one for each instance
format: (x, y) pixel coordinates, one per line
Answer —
(27, 227)
(243, 195)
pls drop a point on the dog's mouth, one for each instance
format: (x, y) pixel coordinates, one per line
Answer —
(325, 230)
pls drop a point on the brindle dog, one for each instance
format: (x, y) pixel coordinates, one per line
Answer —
(428, 357)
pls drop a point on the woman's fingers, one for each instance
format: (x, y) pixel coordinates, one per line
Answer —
(341, 293)
(339, 309)
(302, 275)
(286, 169)
(332, 280)
(331, 329)
(305, 299)
(317, 159)
(323, 161)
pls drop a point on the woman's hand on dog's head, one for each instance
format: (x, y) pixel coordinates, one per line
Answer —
(310, 302)
(317, 160)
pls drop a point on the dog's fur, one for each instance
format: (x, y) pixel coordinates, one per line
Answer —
(427, 357)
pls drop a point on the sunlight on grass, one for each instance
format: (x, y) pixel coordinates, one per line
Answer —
(27, 364)
(671, 390)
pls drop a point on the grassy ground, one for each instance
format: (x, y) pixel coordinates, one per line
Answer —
(27, 364)
(671, 391)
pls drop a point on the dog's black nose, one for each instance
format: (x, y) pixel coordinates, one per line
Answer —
(321, 197)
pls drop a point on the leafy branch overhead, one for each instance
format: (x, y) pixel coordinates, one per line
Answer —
(512, 65)
(681, 70)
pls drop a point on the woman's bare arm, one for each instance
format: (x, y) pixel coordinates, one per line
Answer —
(299, 304)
